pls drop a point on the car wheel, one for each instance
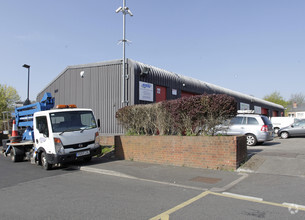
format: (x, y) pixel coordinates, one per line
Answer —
(284, 135)
(44, 162)
(276, 130)
(251, 140)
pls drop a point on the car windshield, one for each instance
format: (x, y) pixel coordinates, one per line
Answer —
(72, 121)
(300, 123)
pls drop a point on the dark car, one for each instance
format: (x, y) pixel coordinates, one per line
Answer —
(296, 129)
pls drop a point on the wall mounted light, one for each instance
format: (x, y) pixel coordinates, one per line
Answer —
(145, 71)
(82, 74)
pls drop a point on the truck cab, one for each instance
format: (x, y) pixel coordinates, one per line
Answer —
(53, 136)
(64, 134)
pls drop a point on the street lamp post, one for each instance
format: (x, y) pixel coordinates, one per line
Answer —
(125, 10)
(27, 101)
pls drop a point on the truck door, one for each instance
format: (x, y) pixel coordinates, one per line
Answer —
(42, 134)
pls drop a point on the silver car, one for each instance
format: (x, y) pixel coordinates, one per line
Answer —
(296, 129)
(257, 128)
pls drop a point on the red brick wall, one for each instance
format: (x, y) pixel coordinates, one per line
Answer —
(218, 152)
(106, 140)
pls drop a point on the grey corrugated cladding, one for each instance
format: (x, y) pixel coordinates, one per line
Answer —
(100, 89)
(172, 80)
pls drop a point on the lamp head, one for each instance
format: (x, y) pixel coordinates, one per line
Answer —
(26, 66)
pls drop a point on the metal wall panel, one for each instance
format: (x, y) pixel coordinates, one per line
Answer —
(100, 89)
(94, 91)
(61, 93)
(109, 93)
(79, 87)
(56, 91)
(67, 85)
(74, 76)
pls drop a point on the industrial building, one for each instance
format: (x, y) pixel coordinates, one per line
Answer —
(101, 87)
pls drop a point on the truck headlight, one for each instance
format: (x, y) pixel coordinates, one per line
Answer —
(59, 148)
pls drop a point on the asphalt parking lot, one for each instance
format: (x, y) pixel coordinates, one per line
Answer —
(280, 156)
(269, 186)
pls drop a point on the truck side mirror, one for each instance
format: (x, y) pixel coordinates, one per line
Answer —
(98, 123)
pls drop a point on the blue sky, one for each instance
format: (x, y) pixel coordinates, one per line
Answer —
(252, 46)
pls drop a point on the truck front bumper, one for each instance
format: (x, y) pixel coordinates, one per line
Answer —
(65, 158)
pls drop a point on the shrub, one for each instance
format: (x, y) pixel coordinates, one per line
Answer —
(218, 108)
(184, 116)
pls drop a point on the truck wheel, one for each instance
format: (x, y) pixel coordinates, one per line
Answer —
(13, 155)
(276, 130)
(44, 163)
(251, 140)
(87, 159)
(16, 154)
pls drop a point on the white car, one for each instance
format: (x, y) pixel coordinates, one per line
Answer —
(281, 122)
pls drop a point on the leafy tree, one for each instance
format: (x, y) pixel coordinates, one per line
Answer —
(8, 97)
(276, 97)
(299, 98)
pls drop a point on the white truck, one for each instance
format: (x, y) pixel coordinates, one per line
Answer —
(54, 136)
(280, 122)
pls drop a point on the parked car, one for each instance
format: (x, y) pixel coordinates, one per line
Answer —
(296, 129)
(257, 128)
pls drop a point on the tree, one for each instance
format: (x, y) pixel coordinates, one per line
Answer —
(299, 98)
(8, 97)
(276, 97)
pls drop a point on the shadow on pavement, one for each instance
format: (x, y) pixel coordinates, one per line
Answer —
(106, 158)
(271, 143)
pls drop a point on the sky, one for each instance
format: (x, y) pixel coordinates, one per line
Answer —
(256, 47)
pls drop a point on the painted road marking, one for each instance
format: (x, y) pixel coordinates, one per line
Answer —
(293, 205)
(293, 208)
(257, 200)
(165, 215)
(233, 195)
(118, 174)
(290, 206)
(228, 186)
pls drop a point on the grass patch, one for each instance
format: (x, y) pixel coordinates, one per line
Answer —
(107, 149)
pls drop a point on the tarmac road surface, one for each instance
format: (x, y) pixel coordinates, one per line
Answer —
(116, 189)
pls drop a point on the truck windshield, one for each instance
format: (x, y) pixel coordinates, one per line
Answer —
(72, 121)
